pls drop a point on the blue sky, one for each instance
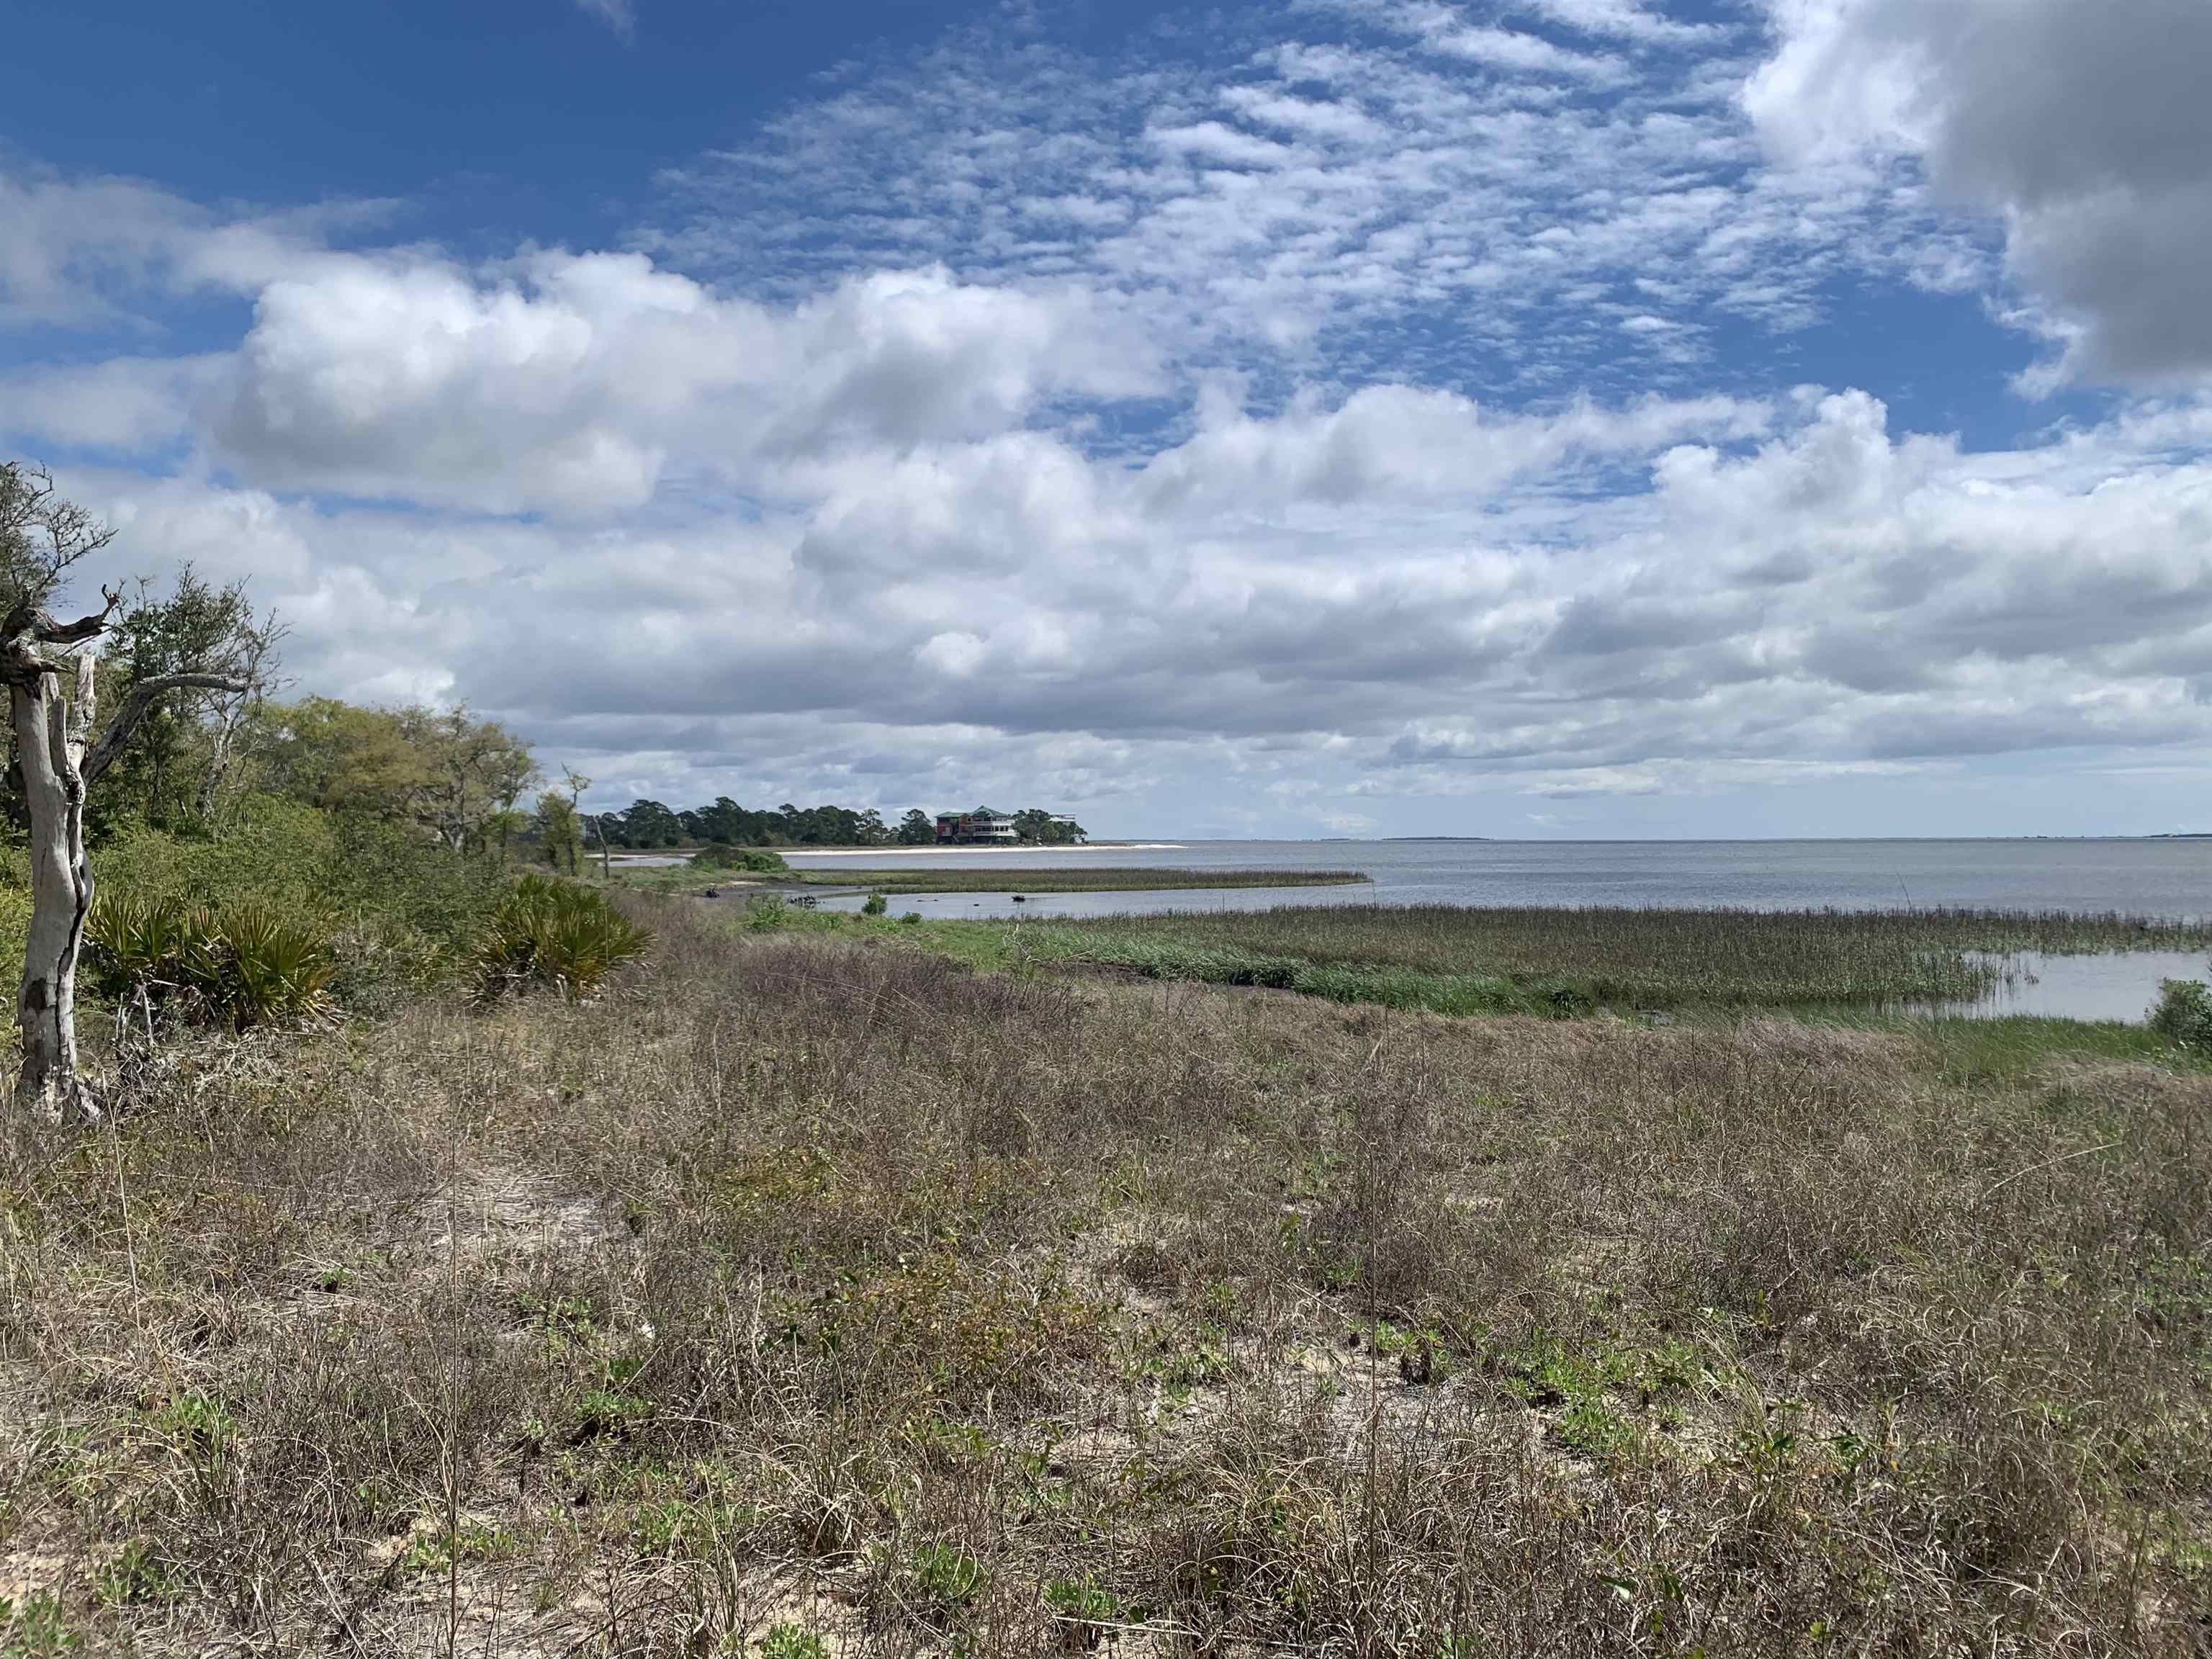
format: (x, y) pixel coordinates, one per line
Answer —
(1515, 417)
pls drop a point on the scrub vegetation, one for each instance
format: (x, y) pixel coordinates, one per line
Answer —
(802, 1291)
(442, 1259)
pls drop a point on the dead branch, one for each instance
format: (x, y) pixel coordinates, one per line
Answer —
(139, 703)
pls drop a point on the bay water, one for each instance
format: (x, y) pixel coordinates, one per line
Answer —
(2167, 879)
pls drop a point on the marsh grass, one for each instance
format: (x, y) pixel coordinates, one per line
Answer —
(815, 1293)
(1458, 960)
(1642, 958)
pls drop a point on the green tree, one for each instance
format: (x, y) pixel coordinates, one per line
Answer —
(916, 829)
(560, 832)
(183, 765)
(560, 821)
(474, 771)
(646, 823)
(345, 759)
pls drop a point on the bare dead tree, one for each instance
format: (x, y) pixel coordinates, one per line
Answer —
(41, 536)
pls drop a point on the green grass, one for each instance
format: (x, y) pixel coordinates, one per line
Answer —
(2012, 1049)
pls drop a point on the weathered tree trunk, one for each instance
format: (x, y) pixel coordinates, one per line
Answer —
(50, 744)
(58, 767)
(212, 782)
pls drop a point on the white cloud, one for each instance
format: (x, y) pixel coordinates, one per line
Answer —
(95, 252)
(620, 15)
(1628, 20)
(571, 383)
(2079, 126)
(1282, 202)
(1760, 596)
(133, 404)
(1354, 418)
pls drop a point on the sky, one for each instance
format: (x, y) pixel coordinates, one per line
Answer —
(1522, 418)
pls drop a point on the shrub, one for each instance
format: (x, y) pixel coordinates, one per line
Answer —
(241, 963)
(790, 1641)
(2183, 1013)
(554, 932)
(876, 905)
(946, 1576)
(756, 861)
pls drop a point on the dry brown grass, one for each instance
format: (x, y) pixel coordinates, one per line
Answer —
(834, 1288)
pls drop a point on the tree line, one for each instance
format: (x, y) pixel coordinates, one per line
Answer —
(648, 825)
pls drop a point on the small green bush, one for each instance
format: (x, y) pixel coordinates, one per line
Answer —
(790, 1641)
(554, 932)
(876, 905)
(240, 963)
(947, 1577)
(756, 860)
(2183, 1013)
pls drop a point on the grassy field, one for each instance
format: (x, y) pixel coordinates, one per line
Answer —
(810, 1295)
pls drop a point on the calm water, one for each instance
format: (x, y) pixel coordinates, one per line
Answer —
(2150, 878)
(2167, 879)
(2121, 985)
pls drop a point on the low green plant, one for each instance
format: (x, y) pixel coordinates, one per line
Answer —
(435, 1552)
(1082, 1599)
(136, 1574)
(554, 932)
(752, 860)
(789, 1641)
(37, 1627)
(876, 905)
(2183, 1013)
(947, 1577)
(240, 963)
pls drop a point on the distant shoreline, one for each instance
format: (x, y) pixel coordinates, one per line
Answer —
(790, 852)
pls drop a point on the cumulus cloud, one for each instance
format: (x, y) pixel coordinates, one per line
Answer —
(2080, 125)
(1761, 596)
(1354, 419)
(570, 382)
(99, 251)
